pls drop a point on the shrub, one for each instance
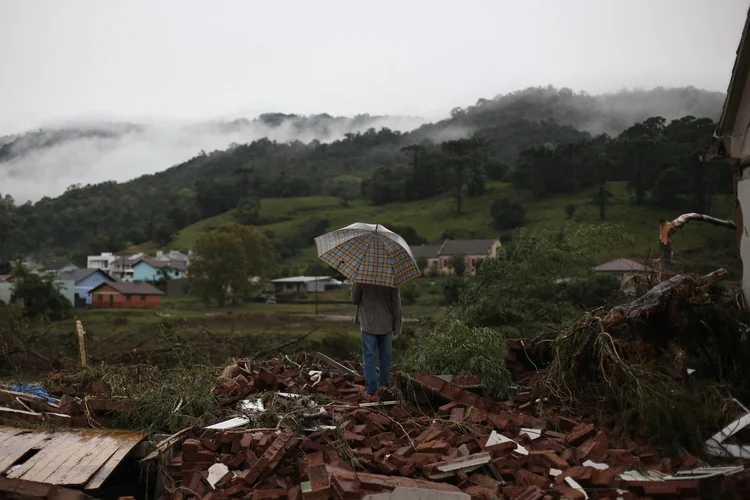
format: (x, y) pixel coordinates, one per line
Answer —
(454, 348)
(452, 289)
(410, 293)
(507, 214)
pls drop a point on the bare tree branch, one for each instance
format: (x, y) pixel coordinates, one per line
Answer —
(667, 229)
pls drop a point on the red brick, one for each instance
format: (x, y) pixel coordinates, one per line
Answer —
(270, 458)
(580, 473)
(190, 446)
(500, 422)
(447, 408)
(202, 457)
(604, 477)
(567, 491)
(210, 444)
(433, 447)
(555, 435)
(513, 492)
(481, 492)
(555, 461)
(530, 493)
(579, 434)
(596, 446)
(457, 414)
(526, 478)
(277, 494)
(295, 493)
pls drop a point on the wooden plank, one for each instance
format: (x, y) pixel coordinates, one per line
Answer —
(18, 488)
(80, 471)
(60, 445)
(77, 448)
(17, 447)
(109, 466)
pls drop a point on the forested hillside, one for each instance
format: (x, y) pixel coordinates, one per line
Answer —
(545, 141)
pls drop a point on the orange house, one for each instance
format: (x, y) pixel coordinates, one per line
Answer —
(123, 295)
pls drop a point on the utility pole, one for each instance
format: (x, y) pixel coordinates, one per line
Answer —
(316, 295)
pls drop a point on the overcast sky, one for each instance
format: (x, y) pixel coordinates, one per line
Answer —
(198, 59)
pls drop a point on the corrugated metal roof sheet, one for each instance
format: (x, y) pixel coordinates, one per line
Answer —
(621, 265)
(77, 458)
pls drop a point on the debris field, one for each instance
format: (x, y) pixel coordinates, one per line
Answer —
(438, 437)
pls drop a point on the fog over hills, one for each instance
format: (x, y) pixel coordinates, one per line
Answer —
(44, 162)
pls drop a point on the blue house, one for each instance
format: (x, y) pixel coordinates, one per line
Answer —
(149, 270)
(85, 280)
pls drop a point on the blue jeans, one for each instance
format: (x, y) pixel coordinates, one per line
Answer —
(376, 346)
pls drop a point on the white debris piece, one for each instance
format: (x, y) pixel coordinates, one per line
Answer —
(315, 376)
(532, 433)
(573, 484)
(555, 472)
(216, 472)
(497, 438)
(230, 424)
(715, 445)
(254, 406)
(595, 465)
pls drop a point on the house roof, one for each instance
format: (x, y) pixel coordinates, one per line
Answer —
(301, 279)
(131, 288)
(79, 275)
(729, 138)
(466, 247)
(620, 265)
(426, 251)
(158, 264)
(56, 265)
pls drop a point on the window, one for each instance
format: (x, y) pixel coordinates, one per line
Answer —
(101, 298)
(143, 298)
(127, 297)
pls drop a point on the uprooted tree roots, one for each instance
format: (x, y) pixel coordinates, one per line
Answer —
(667, 363)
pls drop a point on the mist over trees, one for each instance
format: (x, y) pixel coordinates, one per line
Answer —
(543, 140)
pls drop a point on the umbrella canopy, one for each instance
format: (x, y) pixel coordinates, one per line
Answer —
(368, 253)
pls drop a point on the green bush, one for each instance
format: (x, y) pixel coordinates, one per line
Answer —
(452, 289)
(453, 348)
(410, 293)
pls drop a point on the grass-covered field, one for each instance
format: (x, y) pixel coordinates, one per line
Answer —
(699, 246)
(184, 327)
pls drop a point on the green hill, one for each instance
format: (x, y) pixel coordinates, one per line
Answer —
(698, 247)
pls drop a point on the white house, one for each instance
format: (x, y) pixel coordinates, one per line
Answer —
(304, 284)
(102, 261)
(731, 145)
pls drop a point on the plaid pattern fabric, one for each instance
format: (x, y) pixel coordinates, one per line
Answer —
(368, 253)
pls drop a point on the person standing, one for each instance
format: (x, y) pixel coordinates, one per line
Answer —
(379, 314)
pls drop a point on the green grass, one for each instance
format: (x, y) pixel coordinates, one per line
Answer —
(698, 247)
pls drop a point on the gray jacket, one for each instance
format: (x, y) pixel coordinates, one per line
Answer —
(379, 308)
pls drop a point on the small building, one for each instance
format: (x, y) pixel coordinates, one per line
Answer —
(431, 254)
(121, 267)
(150, 270)
(474, 253)
(84, 281)
(57, 267)
(303, 284)
(123, 295)
(102, 261)
(65, 287)
(623, 269)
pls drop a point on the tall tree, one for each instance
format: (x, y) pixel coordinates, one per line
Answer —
(225, 260)
(463, 154)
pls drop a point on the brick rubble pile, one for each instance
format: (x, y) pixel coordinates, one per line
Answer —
(439, 437)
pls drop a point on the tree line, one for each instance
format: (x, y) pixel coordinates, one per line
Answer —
(659, 160)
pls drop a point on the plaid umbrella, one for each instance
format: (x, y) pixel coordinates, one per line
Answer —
(368, 253)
